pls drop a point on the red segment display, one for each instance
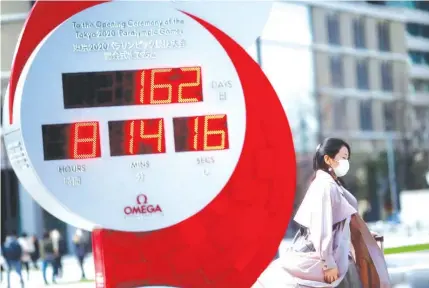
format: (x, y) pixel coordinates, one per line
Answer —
(79, 140)
(201, 133)
(168, 85)
(135, 87)
(137, 137)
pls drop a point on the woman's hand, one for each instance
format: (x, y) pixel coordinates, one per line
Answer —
(330, 275)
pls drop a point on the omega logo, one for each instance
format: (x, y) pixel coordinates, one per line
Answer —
(142, 207)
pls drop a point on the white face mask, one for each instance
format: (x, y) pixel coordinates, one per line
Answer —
(342, 168)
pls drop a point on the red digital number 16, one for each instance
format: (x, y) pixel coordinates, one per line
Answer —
(201, 133)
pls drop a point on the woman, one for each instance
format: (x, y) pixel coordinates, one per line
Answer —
(80, 250)
(59, 248)
(27, 247)
(321, 254)
(47, 254)
(36, 253)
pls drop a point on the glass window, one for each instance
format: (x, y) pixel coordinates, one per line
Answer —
(425, 31)
(340, 112)
(359, 32)
(376, 2)
(401, 4)
(333, 23)
(362, 74)
(425, 58)
(337, 75)
(419, 57)
(413, 29)
(421, 124)
(383, 36)
(425, 86)
(389, 116)
(421, 86)
(421, 5)
(411, 87)
(415, 57)
(418, 30)
(417, 85)
(387, 76)
(366, 115)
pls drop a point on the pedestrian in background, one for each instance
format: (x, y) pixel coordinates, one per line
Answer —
(12, 253)
(2, 262)
(27, 247)
(79, 242)
(35, 255)
(60, 250)
(47, 256)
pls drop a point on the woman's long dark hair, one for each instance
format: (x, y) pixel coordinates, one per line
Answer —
(330, 147)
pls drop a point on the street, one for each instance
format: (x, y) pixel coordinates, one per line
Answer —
(407, 270)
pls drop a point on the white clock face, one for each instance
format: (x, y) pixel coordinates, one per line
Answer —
(146, 135)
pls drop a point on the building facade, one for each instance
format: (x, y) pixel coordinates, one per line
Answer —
(371, 67)
(416, 18)
(417, 41)
(362, 78)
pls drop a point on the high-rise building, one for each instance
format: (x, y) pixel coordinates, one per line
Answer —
(417, 40)
(361, 71)
(372, 72)
(416, 20)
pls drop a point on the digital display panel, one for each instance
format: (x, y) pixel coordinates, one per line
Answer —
(79, 140)
(62, 182)
(136, 87)
(201, 133)
(136, 137)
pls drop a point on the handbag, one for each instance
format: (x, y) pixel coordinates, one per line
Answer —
(301, 243)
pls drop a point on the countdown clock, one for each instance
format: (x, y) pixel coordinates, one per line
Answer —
(148, 119)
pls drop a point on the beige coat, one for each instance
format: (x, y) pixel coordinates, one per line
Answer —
(325, 204)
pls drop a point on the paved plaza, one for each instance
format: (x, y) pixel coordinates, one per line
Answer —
(407, 270)
(70, 278)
